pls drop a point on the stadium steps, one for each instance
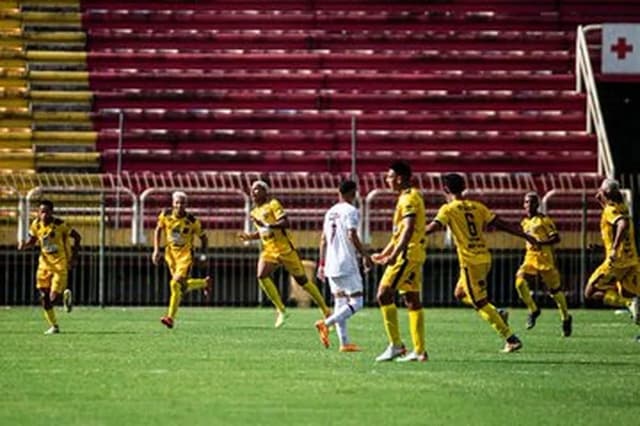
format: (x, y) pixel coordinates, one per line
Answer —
(48, 114)
(247, 82)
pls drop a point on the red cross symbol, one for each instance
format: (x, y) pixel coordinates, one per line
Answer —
(622, 48)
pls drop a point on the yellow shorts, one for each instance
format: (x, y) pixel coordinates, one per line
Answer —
(53, 279)
(473, 279)
(607, 277)
(549, 277)
(404, 276)
(179, 261)
(290, 261)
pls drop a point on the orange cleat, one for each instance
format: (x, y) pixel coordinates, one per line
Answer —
(323, 332)
(350, 347)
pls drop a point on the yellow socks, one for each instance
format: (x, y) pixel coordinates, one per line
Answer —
(50, 316)
(525, 294)
(613, 298)
(313, 291)
(490, 314)
(176, 297)
(416, 328)
(269, 288)
(561, 301)
(196, 283)
(390, 320)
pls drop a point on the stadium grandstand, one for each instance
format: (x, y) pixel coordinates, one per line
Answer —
(108, 106)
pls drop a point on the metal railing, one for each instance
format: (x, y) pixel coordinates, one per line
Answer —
(585, 79)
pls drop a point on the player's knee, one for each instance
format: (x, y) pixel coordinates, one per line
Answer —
(45, 300)
(176, 285)
(356, 303)
(521, 282)
(301, 279)
(459, 293)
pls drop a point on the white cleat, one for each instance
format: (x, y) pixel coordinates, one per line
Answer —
(391, 352)
(281, 319)
(413, 357)
(67, 300)
(634, 308)
(54, 329)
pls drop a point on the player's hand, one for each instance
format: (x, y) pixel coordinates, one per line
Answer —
(379, 258)
(155, 257)
(320, 273)
(243, 236)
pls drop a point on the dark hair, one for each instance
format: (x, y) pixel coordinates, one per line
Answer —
(47, 203)
(347, 186)
(454, 182)
(402, 169)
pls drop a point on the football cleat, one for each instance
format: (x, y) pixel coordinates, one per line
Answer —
(67, 300)
(350, 347)
(567, 328)
(323, 332)
(531, 319)
(54, 329)
(391, 352)
(167, 321)
(281, 318)
(513, 344)
(413, 356)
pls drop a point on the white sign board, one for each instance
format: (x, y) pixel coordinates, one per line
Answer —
(621, 48)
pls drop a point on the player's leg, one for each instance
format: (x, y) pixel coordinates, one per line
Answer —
(551, 280)
(348, 299)
(411, 290)
(292, 263)
(391, 279)
(602, 286)
(179, 268)
(474, 281)
(266, 265)
(524, 276)
(630, 288)
(44, 278)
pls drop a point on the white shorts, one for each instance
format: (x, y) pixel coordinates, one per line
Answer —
(348, 284)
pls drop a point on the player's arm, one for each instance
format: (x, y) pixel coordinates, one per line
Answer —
(403, 242)
(204, 246)
(622, 226)
(157, 235)
(355, 240)
(500, 224)
(250, 236)
(551, 240)
(322, 251)
(433, 226)
(28, 243)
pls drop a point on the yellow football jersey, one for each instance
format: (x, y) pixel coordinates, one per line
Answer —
(626, 254)
(54, 242)
(542, 228)
(179, 231)
(467, 220)
(277, 241)
(411, 203)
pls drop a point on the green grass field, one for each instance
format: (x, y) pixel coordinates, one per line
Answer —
(230, 366)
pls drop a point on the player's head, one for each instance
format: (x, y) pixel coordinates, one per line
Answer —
(45, 210)
(179, 201)
(609, 191)
(347, 189)
(259, 191)
(531, 203)
(399, 175)
(453, 183)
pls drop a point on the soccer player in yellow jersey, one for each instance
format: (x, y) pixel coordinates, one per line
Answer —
(179, 228)
(467, 220)
(617, 280)
(271, 222)
(56, 258)
(403, 257)
(539, 263)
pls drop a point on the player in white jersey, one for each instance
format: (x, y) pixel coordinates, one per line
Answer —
(339, 250)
